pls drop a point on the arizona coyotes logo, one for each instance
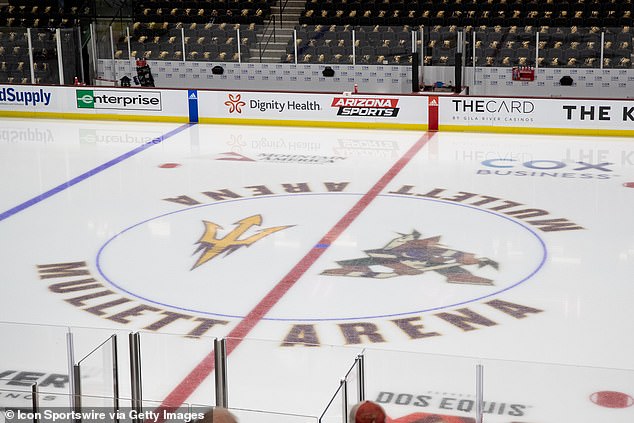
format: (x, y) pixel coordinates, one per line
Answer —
(211, 246)
(410, 255)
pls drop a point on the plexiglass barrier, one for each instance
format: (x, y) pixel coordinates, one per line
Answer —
(337, 405)
(96, 375)
(34, 354)
(39, 55)
(269, 381)
(168, 361)
(405, 383)
(180, 42)
(349, 44)
(301, 376)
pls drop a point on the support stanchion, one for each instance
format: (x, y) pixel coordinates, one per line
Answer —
(344, 402)
(479, 392)
(35, 403)
(135, 375)
(31, 63)
(361, 377)
(70, 354)
(115, 378)
(295, 44)
(458, 63)
(112, 55)
(77, 383)
(220, 358)
(239, 45)
(60, 59)
(354, 47)
(183, 44)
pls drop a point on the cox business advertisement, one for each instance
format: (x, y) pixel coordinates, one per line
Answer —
(356, 110)
(534, 115)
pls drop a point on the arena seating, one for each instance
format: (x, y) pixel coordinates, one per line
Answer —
(544, 33)
(43, 14)
(203, 42)
(570, 32)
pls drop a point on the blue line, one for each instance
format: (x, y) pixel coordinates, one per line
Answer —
(33, 201)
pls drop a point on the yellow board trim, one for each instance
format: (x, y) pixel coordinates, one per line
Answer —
(543, 131)
(94, 116)
(324, 124)
(316, 123)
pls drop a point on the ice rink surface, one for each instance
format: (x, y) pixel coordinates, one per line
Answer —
(431, 252)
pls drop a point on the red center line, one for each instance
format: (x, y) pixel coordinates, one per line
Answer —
(193, 380)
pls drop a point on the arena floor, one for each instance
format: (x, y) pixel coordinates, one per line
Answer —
(429, 252)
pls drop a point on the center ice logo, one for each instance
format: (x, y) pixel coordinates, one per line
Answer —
(212, 246)
(410, 255)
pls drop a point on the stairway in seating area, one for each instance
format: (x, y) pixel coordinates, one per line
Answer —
(285, 22)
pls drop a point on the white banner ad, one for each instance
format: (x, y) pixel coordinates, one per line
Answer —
(29, 98)
(567, 115)
(102, 102)
(333, 108)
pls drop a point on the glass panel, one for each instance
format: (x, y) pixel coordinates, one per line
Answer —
(94, 352)
(97, 370)
(382, 45)
(353, 388)
(14, 397)
(569, 47)
(102, 40)
(409, 383)
(322, 44)
(617, 47)
(505, 47)
(184, 359)
(440, 43)
(70, 53)
(202, 42)
(20, 398)
(555, 393)
(34, 354)
(45, 62)
(333, 413)
(14, 56)
(305, 377)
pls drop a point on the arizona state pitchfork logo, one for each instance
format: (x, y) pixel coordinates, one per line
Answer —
(211, 246)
